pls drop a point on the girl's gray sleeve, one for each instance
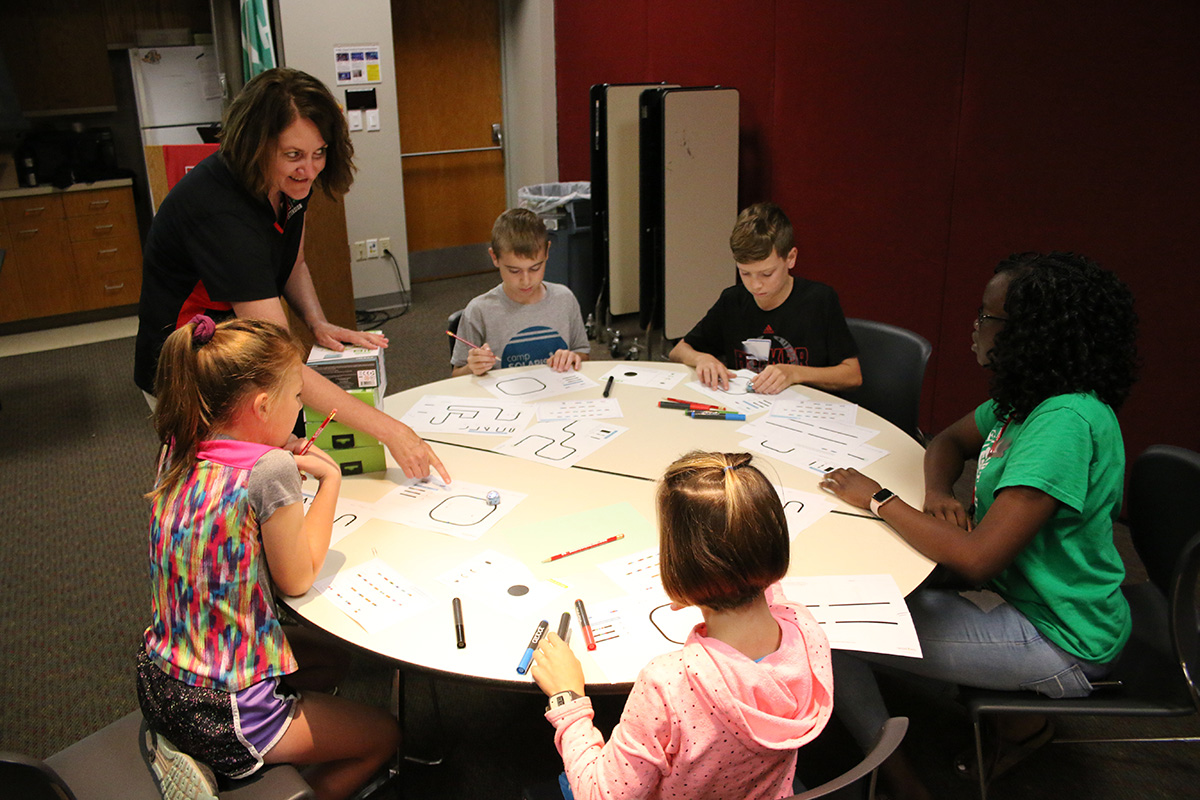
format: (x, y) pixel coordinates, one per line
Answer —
(274, 482)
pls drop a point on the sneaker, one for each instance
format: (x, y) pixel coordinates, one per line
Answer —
(178, 775)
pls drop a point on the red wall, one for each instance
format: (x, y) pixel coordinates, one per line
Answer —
(915, 144)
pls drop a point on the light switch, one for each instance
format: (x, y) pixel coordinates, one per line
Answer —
(372, 119)
(354, 120)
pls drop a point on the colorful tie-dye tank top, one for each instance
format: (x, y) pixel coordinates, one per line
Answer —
(213, 620)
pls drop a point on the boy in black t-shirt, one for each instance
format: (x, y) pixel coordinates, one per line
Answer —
(806, 337)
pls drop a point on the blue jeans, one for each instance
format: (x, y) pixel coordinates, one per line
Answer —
(962, 644)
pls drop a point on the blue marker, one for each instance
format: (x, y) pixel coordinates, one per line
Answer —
(523, 667)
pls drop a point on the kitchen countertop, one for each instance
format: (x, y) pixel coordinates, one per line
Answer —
(10, 188)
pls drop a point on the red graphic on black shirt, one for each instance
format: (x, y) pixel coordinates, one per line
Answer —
(781, 352)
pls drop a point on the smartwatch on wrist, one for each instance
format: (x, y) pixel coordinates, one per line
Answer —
(879, 498)
(560, 699)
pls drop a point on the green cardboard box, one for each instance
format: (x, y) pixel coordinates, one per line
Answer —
(337, 436)
(360, 460)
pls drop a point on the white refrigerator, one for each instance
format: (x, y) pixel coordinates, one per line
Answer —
(178, 89)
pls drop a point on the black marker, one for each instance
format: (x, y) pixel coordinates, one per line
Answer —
(459, 631)
(564, 625)
(523, 667)
(608, 386)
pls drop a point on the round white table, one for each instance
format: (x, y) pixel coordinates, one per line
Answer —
(847, 541)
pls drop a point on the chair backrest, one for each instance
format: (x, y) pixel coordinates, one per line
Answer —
(452, 326)
(1163, 487)
(30, 779)
(893, 363)
(863, 774)
(1185, 616)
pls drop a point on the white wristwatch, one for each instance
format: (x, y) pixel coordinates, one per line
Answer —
(879, 498)
(561, 699)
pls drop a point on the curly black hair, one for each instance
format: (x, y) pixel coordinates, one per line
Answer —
(1071, 329)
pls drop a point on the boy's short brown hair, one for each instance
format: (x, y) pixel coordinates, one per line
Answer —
(519, 231)
(761, 229)
(722, 535)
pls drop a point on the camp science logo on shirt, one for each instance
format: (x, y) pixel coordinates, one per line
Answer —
(533, 345)
(781, 352)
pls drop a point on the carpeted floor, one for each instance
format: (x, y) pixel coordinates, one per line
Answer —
(76, 454)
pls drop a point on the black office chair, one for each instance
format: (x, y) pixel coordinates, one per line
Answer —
(859, 781)
(452, 326)
(893, 370)
(1156, 675)
(109, 765)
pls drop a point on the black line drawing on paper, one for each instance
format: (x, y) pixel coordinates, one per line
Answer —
(516, 387)
(476, 413)
(462, 510)
(794, 506)
(346, 520)
(543, 451)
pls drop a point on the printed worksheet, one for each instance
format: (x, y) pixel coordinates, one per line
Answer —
(374, 595)
(561, 444)
(858, 612)
(802, 509)
(637, 375)
(738, 397)
(459, 509)
(820, 446)
(630, 631)
(637, 574)
(599, 408)
(530, 386)
(348, 516)
(445, 414)
(790, 405)
(503, 583)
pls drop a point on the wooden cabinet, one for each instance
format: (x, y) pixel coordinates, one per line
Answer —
(57, 56)
(69, 252)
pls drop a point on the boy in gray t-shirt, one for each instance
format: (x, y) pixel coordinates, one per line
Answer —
(524, 320)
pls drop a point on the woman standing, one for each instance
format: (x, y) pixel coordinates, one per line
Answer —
(228, 241)
(1058, 333)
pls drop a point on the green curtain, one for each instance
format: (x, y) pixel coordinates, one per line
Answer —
(258, 51)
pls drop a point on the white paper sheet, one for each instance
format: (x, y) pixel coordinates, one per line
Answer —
(630, 631)
(374, 595)
(348, 516)
(446, 414)
(637, 574)
(814, 410)
(637, 375)
(818, 446)
(503, 583)
(738, 396)
(600, 408)
(460, 509)
(858, 612)
(530, 386)
(561, 444)
(802, 509)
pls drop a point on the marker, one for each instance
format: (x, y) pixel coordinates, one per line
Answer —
(585, 547)
(459, 631)
(523, 667)
(584, 625)
(608, 386)
(464, 341)
(715, 415)
(564, 624)
(693, 404)
(313, 438)
(679, 404)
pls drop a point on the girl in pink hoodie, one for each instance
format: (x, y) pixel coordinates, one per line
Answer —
(722, 717)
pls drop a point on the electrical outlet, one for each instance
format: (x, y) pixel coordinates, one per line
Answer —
(385, 243)
(372, 248)
(360, 251)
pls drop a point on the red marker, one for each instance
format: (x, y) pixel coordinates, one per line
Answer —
(581, 549)
(694, 406)
(313, 438)
(585, 625)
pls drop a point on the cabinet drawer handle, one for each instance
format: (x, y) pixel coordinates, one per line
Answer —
(29, 212)
(99, 228)
(108, 251)
(29, 232)
(98, 204)
(116, 288)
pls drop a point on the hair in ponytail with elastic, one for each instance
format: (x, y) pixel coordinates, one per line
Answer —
(205, 371)
(723, 537)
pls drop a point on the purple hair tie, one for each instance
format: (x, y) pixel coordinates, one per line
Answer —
(203, 332)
